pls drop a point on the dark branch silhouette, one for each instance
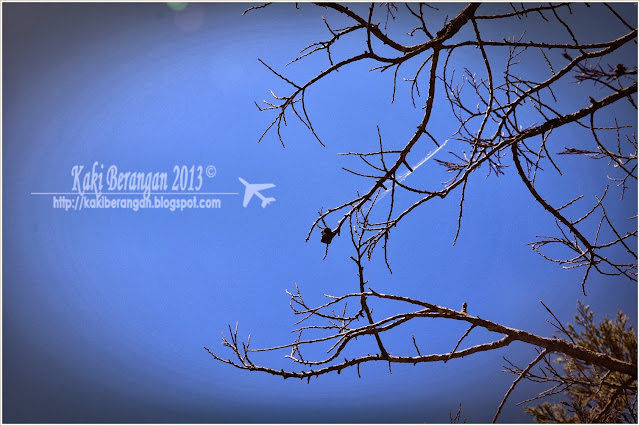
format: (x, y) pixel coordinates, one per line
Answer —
(505, 116)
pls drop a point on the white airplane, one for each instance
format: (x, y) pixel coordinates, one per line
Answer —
(254, 189)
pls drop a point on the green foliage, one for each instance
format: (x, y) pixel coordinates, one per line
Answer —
(596, 395)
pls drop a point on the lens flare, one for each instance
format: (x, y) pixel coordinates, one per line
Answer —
(177, 5)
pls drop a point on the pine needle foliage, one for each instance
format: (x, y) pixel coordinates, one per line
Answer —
(595, 394)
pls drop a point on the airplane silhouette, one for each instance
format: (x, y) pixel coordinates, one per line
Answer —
(254, 189)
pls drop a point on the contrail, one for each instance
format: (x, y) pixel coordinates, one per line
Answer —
(420, 163)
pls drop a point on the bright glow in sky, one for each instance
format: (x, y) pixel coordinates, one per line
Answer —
(106, 312)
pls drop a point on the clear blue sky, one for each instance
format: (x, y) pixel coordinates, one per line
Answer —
(106, 312)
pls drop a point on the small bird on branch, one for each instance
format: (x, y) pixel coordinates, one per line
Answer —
(620, 70)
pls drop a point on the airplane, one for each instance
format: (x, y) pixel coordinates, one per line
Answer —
(254, 189)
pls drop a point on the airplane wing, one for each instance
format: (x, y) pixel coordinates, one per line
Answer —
(247, 196)
(255, 187)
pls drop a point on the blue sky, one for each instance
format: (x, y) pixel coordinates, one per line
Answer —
(106, 312)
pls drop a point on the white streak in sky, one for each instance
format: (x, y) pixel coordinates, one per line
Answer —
(420, 163)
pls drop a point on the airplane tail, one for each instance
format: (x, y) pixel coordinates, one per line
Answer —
(267, 201)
